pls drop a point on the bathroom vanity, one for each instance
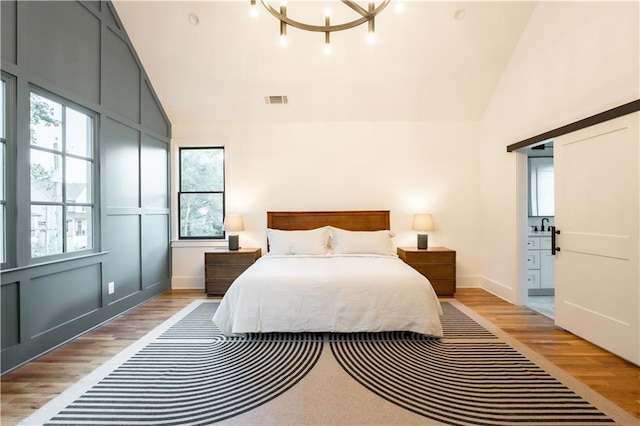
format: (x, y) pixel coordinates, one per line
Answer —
(540, 264)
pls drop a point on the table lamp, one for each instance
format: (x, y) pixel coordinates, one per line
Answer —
(422, 223)
(233, 224)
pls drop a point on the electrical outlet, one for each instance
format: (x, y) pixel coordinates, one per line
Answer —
(111, 287)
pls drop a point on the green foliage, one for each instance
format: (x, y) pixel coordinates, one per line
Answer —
(202, 170)
(201, 216)
(39, 172)
(41, 113)
(201, 198)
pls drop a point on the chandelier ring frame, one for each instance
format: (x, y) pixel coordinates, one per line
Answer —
(366, 17)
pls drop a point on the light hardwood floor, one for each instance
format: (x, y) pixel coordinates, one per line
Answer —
(29, 387)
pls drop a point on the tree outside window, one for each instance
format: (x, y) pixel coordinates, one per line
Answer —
(61, 159)
(201, 196)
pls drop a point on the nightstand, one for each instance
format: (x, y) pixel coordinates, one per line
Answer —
(224, 266)
(438, 264)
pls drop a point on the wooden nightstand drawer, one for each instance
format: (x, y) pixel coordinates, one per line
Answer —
(221, 268)
(434, 272)
(214, 286)
(230, 258)
(429, 257)
(226, 272)
(444, 287)
(437, 264)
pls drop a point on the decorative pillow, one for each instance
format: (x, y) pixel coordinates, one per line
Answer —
(311, 242)
(361, 242)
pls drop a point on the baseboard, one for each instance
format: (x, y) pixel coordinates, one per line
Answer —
(498, 289)
(187, 283)
(468, 281)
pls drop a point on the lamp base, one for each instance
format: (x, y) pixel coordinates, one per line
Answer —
(234, 242)
(423, 241)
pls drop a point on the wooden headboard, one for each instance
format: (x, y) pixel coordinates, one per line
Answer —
(356, 220)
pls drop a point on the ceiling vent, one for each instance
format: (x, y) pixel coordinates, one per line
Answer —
(276, 100)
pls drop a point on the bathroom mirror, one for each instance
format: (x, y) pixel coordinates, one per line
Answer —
(541, 186)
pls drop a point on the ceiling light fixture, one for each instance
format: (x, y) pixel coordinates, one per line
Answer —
(366, 16)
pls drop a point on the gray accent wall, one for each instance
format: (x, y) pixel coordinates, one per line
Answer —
(79, 51)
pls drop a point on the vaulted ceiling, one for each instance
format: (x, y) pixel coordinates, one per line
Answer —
(211, 61)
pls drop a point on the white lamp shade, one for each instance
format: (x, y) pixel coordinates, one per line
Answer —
(422, 222)
(233, 223)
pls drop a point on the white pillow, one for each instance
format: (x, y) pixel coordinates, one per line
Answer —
(311, 242)
(361, 242)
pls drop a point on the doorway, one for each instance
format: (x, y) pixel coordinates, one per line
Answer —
(540, 217)
(597, 211)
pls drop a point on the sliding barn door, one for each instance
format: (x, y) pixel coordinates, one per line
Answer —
(597, 214)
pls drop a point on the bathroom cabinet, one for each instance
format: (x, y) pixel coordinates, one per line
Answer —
(540, 266)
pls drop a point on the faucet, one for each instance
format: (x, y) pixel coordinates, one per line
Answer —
(542, 224)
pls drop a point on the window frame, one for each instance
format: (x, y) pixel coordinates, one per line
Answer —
(7, 203)
(181, 149)
(92, 231)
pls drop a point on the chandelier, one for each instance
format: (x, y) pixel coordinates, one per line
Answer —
(365, 16)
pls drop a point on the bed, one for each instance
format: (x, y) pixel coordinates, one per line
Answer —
(329, 272)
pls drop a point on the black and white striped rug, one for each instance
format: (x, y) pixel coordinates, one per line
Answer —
(187, 372)
(470, 377)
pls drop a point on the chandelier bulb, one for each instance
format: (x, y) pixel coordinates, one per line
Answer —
(283, 28)
(327, 39)
(399, 6)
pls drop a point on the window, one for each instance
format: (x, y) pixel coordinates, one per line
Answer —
(3, 178)
(62, 170)
(201, 195)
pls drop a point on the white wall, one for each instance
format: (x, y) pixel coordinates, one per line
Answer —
(574, 60)
(405, 167)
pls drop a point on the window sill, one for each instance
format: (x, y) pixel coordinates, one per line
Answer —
(199, 243)
(55, 261)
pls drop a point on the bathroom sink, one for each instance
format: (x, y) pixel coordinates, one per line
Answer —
(539, 233)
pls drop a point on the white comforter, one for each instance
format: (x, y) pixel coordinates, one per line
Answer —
(329, 294)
